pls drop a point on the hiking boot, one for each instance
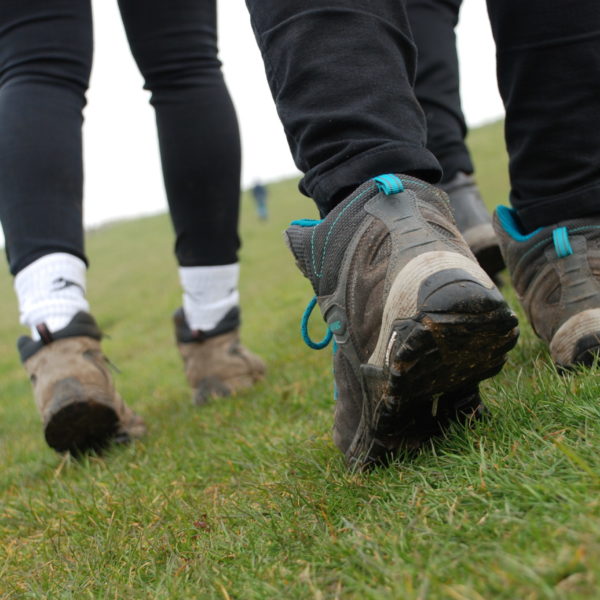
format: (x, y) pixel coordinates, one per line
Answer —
(556, 273)
(216, 364)
(417, 322)
(474, 222)
(74, 390)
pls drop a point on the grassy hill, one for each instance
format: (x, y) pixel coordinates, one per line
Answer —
(247, 498)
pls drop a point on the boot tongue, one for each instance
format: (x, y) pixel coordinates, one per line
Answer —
(298, 238)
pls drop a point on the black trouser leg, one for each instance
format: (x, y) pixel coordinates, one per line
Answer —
(341, 74)
(548, 66)
(437, 82)
(45, 61)
(175, 46)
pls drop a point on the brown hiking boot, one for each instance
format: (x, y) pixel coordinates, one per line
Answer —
(216, 364)
(556, 273)
(74, 390)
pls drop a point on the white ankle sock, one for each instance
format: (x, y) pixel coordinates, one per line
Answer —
(209, 293)
(51, 290)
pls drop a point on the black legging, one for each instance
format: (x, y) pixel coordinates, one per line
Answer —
(45, 62)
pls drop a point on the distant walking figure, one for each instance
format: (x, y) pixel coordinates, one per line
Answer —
(260, 194)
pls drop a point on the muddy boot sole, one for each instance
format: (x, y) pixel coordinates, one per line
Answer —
(81, 427)
(431, 369)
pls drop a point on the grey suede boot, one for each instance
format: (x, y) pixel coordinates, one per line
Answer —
(416, 321)
(474, 222)
(556, 273)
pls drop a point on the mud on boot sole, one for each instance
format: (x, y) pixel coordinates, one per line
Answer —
(431, 370)
(82, 426)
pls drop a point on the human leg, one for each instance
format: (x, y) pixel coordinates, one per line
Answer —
(437, 89)
(345, 119)
(45, 60)
(437, 82)
(175, 47)
(393, 277)
(548, 60)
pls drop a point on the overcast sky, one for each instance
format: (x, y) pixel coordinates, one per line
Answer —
(121, 155)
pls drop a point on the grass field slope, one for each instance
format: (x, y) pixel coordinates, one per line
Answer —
(247, 498)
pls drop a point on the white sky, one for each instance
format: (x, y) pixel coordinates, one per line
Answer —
(121, 160)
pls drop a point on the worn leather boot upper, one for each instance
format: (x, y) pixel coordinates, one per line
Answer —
(215, 362)
(74, 390)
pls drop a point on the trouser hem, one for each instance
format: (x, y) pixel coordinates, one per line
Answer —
(543, 212)
(330, 188)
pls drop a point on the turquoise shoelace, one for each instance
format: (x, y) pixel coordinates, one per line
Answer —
(388, 184)
(304, 328)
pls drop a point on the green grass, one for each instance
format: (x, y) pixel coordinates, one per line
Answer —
(247, 498)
